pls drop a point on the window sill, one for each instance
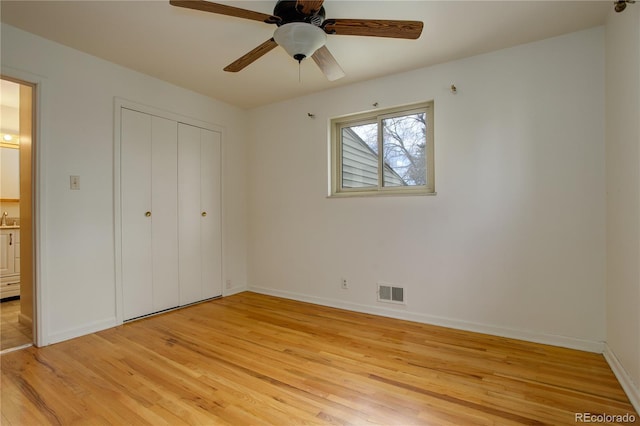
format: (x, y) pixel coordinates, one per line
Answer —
(381, 194)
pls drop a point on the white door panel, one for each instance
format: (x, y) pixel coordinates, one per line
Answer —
(210, 224)
(164, 219)
(190, 261)
(135, 172)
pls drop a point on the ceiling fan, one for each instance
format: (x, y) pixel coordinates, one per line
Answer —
(302, 31)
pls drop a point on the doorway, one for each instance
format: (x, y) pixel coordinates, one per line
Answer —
(17, 143)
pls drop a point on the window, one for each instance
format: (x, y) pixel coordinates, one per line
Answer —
(383, 152)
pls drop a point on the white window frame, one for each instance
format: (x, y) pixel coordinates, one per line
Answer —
(338, 123)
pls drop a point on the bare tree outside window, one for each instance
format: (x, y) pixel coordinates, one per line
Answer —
(404, 142)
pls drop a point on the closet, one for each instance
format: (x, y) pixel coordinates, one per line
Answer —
(170, 232)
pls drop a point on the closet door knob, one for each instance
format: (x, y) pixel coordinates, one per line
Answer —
(204, 214)
(148, 214)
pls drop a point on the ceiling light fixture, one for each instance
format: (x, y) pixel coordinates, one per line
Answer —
(621, 5)
(300, 39)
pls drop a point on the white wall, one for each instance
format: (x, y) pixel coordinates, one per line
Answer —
(623, 197)
(514, 242)
(76, 138)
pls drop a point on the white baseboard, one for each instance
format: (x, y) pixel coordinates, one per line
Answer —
(233, 290)
(526, 335)
(631, 389)
(74, 332)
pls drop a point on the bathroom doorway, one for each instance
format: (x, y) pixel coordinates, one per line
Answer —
(17, 143)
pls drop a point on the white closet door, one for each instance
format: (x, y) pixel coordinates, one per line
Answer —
(189, 214)
(200, 253)
(164, 219)
(135, 170)
(149, 213)
(210, 224)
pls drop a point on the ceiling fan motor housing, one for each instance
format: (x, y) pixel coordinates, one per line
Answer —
(288, 12)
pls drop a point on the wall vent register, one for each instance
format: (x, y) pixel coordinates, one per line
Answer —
(390, 294)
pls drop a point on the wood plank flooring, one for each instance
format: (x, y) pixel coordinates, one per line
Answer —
(12, 333)
(251, 359)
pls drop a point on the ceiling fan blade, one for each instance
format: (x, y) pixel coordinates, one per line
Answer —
(374, 28)
(222, 9)
(309, 7)
(328, 64)
(252, 56)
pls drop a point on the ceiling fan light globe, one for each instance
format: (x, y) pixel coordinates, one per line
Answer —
(299, 39)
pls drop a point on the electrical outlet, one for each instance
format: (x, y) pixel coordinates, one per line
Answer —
(343, 283)
(228, 283)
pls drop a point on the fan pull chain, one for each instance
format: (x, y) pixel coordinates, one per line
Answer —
(299, 72)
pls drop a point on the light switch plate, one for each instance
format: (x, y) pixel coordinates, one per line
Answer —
(74, 182)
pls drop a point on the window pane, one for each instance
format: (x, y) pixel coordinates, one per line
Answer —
(359, 156)
(404, 141)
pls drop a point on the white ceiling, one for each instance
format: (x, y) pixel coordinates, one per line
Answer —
(190, 48)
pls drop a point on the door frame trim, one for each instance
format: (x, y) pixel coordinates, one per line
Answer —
(40, 129)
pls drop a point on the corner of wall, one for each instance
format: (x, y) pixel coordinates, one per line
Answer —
(622, 141)
(631, 389)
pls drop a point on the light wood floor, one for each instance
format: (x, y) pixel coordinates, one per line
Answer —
(12, 333)
(251, 359)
